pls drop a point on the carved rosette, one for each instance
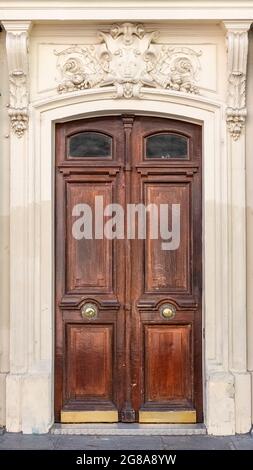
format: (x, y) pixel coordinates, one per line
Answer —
(237, 52)
(17, 56)
(128, 58)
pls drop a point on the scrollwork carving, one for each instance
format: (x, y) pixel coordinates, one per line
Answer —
(128, 58)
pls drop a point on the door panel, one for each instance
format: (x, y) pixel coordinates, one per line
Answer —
(168, 270)
(89, 261)
(89, 375)
(89, 349)
(128, 313)
(167, 351)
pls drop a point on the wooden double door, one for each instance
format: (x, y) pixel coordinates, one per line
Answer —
(128, 305)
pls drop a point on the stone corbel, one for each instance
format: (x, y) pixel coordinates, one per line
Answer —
(17, 55)
(237, 52)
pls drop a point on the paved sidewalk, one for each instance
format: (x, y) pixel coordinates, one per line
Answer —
(50, 441)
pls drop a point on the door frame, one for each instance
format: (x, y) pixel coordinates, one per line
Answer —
(168, 116)
(221, 404)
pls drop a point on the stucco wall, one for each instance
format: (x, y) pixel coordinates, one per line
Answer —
(4, 227)
(45, 41)
(249, 196)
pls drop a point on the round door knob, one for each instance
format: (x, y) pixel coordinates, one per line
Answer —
(167, 311)
(89, 311)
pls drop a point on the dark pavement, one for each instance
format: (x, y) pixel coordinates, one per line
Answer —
(78, 442)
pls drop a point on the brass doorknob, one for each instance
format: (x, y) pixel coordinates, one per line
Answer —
(89, 311)
(167, 311)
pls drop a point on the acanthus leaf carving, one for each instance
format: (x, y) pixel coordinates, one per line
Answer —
(17, 56)
(237, 51)
(128, 58)
(18, 102)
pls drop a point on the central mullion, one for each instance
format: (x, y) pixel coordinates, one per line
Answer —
(128, 413)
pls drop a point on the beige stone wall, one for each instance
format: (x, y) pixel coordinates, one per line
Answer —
(4, 228)
(30, 381)
(249, 197)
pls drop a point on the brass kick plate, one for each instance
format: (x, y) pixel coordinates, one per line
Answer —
(109, 416)
(184, 416)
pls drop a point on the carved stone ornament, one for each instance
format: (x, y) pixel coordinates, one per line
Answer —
(128, 58)
(17, 56)
(237, 50)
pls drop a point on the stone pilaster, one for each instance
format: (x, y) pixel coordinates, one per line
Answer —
(237, 51)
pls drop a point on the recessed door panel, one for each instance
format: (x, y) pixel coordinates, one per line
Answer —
(167, 261)
(168, 362)
(89, 351)
(89, 260)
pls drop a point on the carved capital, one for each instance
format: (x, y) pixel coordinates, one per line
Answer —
(237, 53)
(17, 55)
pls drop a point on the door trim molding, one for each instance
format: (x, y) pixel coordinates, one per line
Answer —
(30, 381)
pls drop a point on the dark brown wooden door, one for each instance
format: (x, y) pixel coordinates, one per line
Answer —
(128, 308)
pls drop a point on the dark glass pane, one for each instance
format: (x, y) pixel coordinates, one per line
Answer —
(90, 144)
(166, 146)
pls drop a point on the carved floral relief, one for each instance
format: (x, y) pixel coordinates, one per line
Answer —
(128, 58)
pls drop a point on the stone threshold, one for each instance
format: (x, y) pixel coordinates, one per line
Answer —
(135, 429)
